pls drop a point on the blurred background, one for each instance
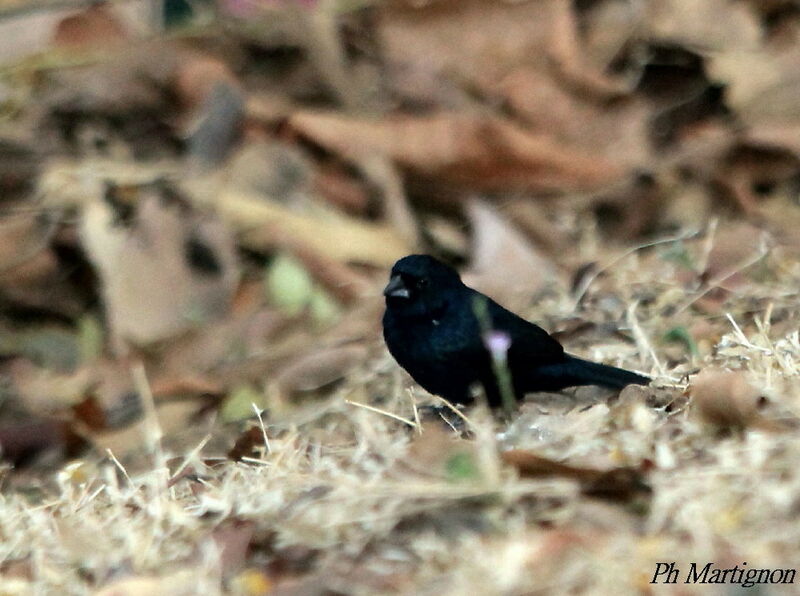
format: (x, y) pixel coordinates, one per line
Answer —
(200, 202)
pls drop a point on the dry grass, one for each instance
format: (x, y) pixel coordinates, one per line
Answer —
(374, 502)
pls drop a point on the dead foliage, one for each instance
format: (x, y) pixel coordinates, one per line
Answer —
(195, 227)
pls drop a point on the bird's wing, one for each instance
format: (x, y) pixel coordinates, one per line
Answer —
(530, 344)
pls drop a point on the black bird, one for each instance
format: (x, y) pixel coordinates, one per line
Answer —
(440, 331)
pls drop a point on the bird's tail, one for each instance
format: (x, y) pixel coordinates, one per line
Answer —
(583, 372)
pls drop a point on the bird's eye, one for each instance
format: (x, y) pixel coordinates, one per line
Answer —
(422, 282)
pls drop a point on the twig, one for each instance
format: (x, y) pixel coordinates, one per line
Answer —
(717, 281)
(590, 278)
(263, 428)
(641, 337)
(410, 423)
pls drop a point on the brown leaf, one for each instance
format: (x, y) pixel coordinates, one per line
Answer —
(574, 63)
(341, 190)
(233, 538)
(439, 47)
(618, 132)
(761, 87)
(197, 362)
(246, 444)
(172, 417)
(465, 40)
(23, 440)
(725, 398)
(31, 274)
(267, 225)
(319, 368)
(342, 281)
(164, 272)
(504, 265)
(17, 569)
(615, 483)
(122, 83)
(734, 246)
(697, 23)
(478, 151)
(95, 26)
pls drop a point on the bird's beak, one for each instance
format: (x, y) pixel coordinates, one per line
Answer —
(396, 288)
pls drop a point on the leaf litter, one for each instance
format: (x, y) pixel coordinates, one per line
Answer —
(195, 397)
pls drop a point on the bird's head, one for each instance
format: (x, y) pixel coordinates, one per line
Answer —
(419, 286)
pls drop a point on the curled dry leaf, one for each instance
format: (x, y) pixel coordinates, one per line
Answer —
(340, 280)
(25, 439)
(505, 265)
(96, 26)
(165, 267)
(44, 391)
(761, 87)
(697, 24)
(276, 170)
(122, 84)
(571, 59)
(725, 398)
(480, 151)
(172, 418)
(266, 225)
(485, 45)
(464, 41)
(201, 362)
(233, 538)
(618, 132)
(317, 369)
(734, 248)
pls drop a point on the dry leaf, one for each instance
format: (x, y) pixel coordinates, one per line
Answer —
(23, 440)
(618, 132)
(479, 151)
(172, 417)
(316, 369)
(697, 24)
(266, 225)
(123, 84)
(569, 57)
(96, 26)
(504, 264)
(278, 171)
(470, 41)
(615, 483)
(233, 538)
(165, 268)
(725, 398)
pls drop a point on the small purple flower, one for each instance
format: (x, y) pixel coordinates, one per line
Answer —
(498, 343)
